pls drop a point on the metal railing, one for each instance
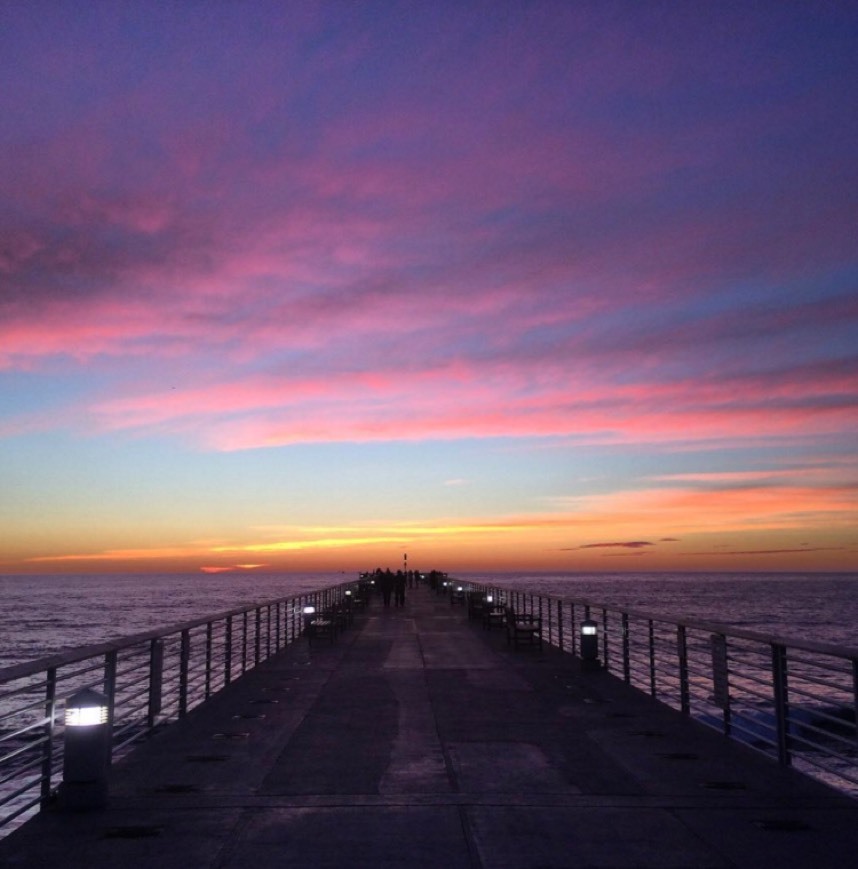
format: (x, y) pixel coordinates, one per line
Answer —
(795, 701)
(149, 679)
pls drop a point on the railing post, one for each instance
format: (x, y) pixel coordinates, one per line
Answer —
(627, 670)
(268, 631)
(156, 680)
(48, 747)
(227, 652)
(781, 698)
(721, 678)
(209, 659)
(572, 626)
(184, 664)
(605, 637)
(257, 640)
(277, 625)
(855, 695)
(110, 694)
(652, 682)
(244, 641)
(682, 654)
(560, 624)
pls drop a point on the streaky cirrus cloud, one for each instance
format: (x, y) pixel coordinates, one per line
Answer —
(606, 226)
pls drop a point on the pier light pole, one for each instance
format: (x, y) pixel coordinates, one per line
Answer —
(87, 751)
(589, 645)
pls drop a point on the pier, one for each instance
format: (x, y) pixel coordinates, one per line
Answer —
(420, 737)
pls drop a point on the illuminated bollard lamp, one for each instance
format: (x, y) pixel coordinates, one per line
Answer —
(87, 752)
(589, 645)
(309, 613)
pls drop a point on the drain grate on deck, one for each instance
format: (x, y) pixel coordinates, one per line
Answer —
(133, 831)
(178, 788)
(249, 716)
(232, 735)
(725, 785)
(783, 825)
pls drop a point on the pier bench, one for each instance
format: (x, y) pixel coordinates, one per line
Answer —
(494, 615)
(523, 629)
(476, 604)
(322, 626)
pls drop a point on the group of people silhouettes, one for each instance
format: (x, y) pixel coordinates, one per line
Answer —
(394, 584)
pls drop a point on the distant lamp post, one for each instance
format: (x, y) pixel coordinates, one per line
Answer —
(86, 758)
(590, 645)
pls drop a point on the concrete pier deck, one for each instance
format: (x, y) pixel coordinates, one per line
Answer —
(419, 739)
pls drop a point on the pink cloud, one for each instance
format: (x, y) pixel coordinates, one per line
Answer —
(501, 253)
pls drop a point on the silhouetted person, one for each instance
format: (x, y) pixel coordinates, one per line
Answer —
(386, 583)
(399, 588)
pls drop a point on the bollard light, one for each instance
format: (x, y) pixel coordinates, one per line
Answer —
(81, 715)
(490, 598)
(590, 643)
(309, 610)
(87, 751)
(348, 592)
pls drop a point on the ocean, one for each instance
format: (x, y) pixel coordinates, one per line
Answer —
(42, 615)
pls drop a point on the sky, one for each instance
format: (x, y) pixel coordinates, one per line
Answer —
(542, 286)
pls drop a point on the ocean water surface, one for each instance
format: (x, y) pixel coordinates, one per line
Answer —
(42, 615)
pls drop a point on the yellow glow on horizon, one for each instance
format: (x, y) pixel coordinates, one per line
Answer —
(681, 527)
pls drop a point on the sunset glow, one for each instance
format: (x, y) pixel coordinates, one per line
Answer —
(545, 286)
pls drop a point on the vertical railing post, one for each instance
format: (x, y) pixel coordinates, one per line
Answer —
(244, 642)
(560, 624)
(605, 638)
(277, 625)
(627, 668)
(540, 620)
(257, 643)
(48, 747)
(652, 683)
(156, 681)
(268, 631)
(227, 652)
(855, 695)
(573, 628)
(209, 656)
(721, 678)
(110, 694)
(682, 654)
(184, 665)
(780, 688)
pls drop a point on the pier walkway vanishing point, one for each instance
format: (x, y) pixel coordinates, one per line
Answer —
(420, 739)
